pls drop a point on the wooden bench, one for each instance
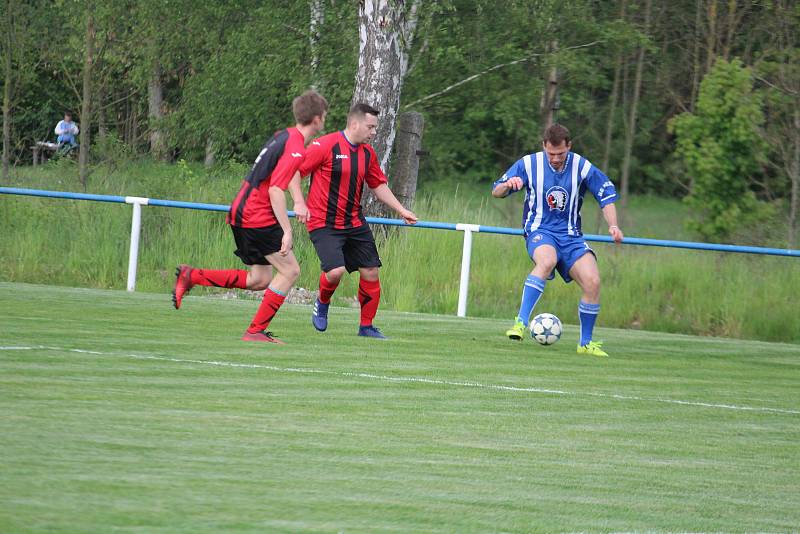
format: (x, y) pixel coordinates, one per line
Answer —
(42, 151)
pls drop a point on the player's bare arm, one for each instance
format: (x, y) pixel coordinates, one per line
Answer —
(610, 215)
(278, 200)
(503, 189)
(299, 202)
(385, 195)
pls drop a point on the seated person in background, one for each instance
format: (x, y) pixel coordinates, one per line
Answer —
(66, 131)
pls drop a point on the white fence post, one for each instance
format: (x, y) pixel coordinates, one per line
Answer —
(136, 230)
(466, 258)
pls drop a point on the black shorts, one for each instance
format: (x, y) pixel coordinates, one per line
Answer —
(253, 245)
(352, 248)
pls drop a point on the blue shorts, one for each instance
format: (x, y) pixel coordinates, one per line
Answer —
(569, 249)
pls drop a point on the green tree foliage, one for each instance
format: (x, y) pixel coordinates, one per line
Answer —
(723, 149)
(244, 92)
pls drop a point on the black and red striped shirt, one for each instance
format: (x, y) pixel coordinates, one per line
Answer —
(275, 165)
(338, 171)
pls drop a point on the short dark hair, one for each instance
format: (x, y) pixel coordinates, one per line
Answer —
(307, 106)
(555, 134)
(68, 114)
(360, 109)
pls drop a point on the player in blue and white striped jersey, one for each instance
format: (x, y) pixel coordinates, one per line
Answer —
(555, 181)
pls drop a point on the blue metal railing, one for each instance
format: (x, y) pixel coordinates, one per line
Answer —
(468, 230)
(421, 224)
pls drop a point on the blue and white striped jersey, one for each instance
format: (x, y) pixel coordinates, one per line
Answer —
(553, 200)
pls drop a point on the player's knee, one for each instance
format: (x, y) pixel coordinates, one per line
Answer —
(292, 272)
(258, 284)
(370, 273)
(591, 284)
(334, 276)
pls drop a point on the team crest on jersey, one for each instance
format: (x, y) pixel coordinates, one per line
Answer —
(557, 198)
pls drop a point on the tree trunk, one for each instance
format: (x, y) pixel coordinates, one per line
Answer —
(405, 168)
(696, 54)
(726, 49)
(612, 105)
(612, 111)
(711, 36)
(317, 18)
(386, 31)
(794, 176)
(210, 156)
(86, 108)
(9, 79)
(550, 101)
(630, 130)
(155, 113)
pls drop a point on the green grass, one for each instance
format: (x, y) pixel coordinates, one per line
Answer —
(171, 424)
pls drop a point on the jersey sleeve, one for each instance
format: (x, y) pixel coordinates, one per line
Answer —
(601, 187)
(289, 162)
(517, 169)
(375, 176)
(315, 156)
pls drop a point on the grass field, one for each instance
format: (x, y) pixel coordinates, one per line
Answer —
(118, 413)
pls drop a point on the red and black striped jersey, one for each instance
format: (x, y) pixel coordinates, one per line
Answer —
(275, 165)
(338, 171)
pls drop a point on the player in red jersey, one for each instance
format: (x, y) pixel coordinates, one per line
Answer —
(339, 164)
(260, 222)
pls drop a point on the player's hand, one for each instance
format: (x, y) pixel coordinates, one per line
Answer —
(616, 233)
(301, 212)
(514, 183)
(408, 216)
(286, 244)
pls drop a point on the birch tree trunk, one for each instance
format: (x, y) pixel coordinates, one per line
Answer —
(317, 18)
(630, 130)
(86, 107)
(155, 113)
(386, 32)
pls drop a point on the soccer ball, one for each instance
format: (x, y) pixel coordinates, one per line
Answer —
(546, 328)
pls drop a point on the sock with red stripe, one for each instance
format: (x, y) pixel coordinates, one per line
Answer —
(267, 310)
(369, 295)
(326, 289)
(222, 278)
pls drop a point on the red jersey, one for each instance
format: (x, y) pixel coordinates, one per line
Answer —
(275, 165)
(338, 171)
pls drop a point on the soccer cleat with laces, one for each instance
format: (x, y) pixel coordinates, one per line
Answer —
(319, 315)
(370, 331)
(516, 332)
(183, 283)
(264, 337)
(593, 349)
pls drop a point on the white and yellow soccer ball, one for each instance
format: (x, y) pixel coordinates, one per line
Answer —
(546, 328)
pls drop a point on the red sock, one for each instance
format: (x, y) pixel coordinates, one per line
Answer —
(224, 278)
(326, 289)
(266, 311)
(369, 295)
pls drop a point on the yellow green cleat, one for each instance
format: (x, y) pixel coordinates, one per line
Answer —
(593, 349)
(516, 332)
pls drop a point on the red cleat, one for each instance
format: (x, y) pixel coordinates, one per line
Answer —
(264, 337)
(183, 283)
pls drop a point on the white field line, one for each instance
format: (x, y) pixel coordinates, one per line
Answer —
(418, 380)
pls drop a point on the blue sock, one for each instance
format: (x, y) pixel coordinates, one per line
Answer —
(531, 292)
(587, 313)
